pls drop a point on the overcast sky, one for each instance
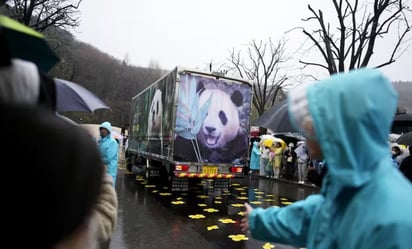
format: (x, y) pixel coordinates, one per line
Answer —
(192, 33)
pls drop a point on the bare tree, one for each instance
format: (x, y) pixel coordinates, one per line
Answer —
(262, 66)
(42, 14)
(352, 42)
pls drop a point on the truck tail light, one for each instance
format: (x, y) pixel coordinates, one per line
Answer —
(236, 169)
(181, 167)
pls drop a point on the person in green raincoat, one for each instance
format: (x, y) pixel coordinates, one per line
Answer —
(364, 201)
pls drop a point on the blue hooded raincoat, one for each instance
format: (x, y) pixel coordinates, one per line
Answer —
(364, 202)
(109, 151)
(255, 157)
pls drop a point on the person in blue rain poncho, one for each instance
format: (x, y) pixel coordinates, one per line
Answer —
(255, 157)
(108, 149)
(364, 202)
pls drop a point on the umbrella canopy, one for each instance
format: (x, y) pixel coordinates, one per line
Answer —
(25, 43)
(269, 140)
(276, 118)
(71, 96)
(405, 139)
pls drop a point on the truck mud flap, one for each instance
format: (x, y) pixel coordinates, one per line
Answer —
(222, 184)
(180, 184)
(150, 173)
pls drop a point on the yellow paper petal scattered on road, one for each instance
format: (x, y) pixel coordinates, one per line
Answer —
(150, 186)
(235, 184)
(197, 216)
(260, 193)
(155, 191)
(269, 195)
(237, 205)
(202, 205)
(179, 198)
(177, 202)
(243, 193)
(286, 202)
(256, 202)
(241, 213)
(269, 199)
(227, 221)
(218, 202)
(202, 196)
(242, 197)
(214, 227)
(218, 197)
(210, 210)
(165, 194)
(267, 245)
(283, 199)
(238, 237)
(239, 189)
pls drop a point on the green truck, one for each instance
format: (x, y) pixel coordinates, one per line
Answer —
(190, 125)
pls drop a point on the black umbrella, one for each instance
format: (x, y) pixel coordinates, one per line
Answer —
(73, 97)
(276, 118)
(405, 139)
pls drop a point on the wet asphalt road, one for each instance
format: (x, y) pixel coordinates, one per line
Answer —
(152, 217)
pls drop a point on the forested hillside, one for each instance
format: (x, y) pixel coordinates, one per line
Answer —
(113, 80)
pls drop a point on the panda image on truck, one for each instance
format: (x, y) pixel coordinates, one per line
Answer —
(191, 125)
(221, 137)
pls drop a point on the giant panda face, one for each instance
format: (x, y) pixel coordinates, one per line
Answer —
(221, 124)
(155, 112)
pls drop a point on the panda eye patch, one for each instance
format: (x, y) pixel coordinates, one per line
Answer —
(222, 117)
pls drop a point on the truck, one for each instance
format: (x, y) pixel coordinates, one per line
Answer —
(190, 125)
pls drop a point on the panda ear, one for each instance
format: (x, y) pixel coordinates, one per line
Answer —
(237, 98)
(200, 86)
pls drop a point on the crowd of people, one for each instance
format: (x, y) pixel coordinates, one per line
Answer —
(295, 164)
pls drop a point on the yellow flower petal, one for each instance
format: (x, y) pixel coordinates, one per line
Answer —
(286, 202)
(202, 205)
(269, 200)
(241, 213)
(150, 186)
(155, 191)
(165, 194)
(260, 193)
(210, 210)
(177, 202)
(218, 197)
(203, 196)
(256, 202)
(197, 216)
(214, 227)
(179, 198)
(242, 197)
(235, 184)
(238, 237)
(268, 246)
(227, 221)
(283, 199)
(237, 205)
(218, 202)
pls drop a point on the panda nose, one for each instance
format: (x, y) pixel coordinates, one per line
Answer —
(210, 129)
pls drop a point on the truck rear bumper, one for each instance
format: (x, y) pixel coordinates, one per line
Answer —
(201, 175)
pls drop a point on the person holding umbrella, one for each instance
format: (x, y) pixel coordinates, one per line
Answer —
(361, 188)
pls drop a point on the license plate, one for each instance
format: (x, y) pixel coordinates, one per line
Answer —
(209, 170)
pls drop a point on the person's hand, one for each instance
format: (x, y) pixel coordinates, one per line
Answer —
(244, 223)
